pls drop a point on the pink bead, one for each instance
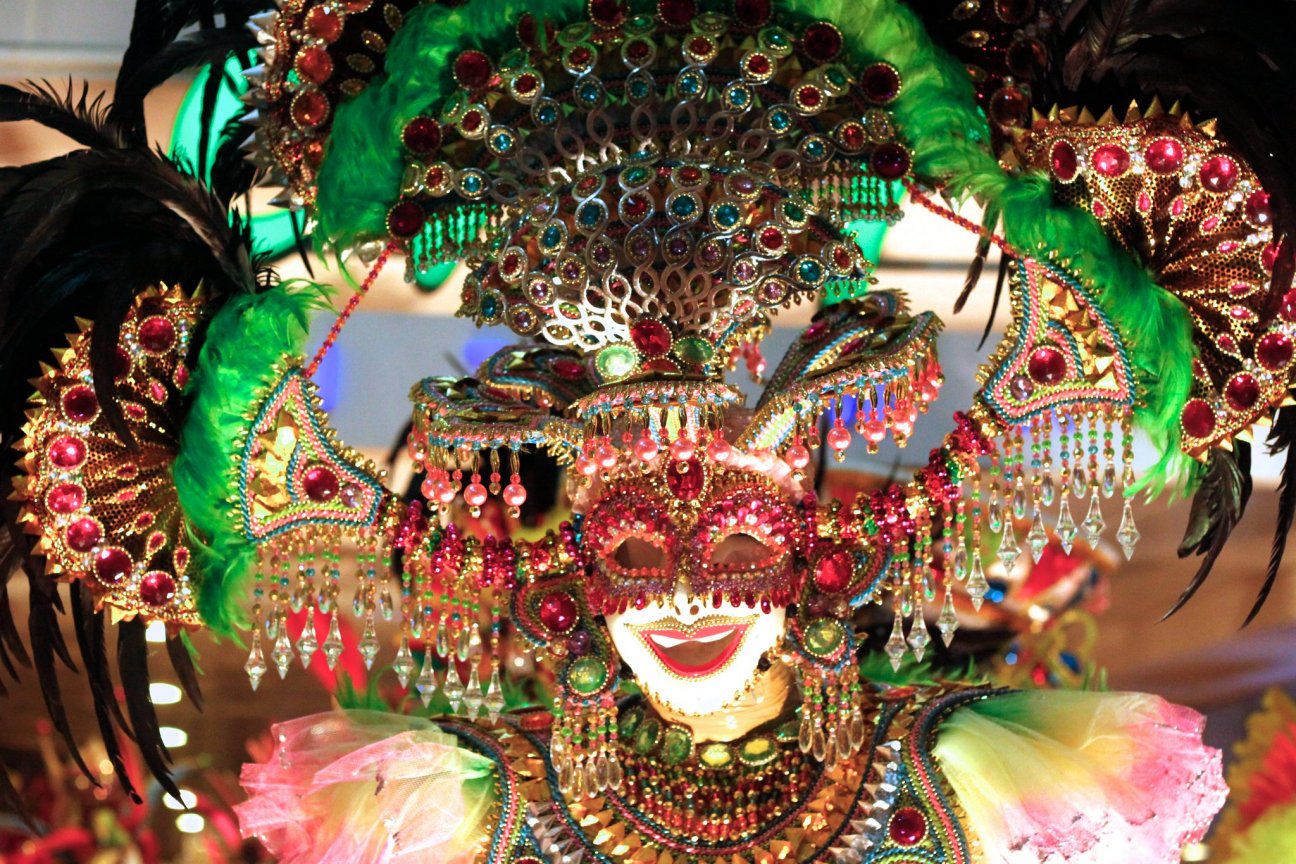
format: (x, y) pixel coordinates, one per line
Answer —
(646, 448)
(443, 491)
(428, 488)
(797, 456)
(605, 456)
(515, 495)
(839, 438)
(586, 466)
(874, 431)
(719, 450)
(475, 494)
(682, 449)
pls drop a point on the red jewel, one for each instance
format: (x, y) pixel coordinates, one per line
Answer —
(1008, 106)
(65, 498)
(315, 65)
(852, 136)
(814, 331)
(676, 13)
(809, 96)
(880, 83)
(833, 572)
(752, 13)
(1046, 365)
(1257, 208)
(890, 161)
(80, 405)
(607, 13)
(121, 364)
(758, 65)
(637, 50)
(157, 588)
(433, 179)
(320, 483)
(690, 174)
(1219, 173)
(1242, 392)
(771, 238)
(1062, 158)
(822, 42)
(842, 258)
(473, 70)
(405, 219)
(908, 826)
(526, 83)
(67, 451)
(472, 121)
(580, 56)
(83, 535)
(324, 23)
(1110, 160)
(527, 30)
(700, 45)
(1025, 57)
(156, 334)
(650, 337)
(112, 565)
(1164, 155)
(1198, 418)
(310, 108)
(557, 611)
(570, 369)
(1268, 257)
(422, 135)
(684, 479)
(1274, 351)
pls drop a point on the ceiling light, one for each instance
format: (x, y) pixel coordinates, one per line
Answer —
(164, 694)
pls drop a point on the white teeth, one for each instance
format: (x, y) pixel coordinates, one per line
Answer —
(670, 641)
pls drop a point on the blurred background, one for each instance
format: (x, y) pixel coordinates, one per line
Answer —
(403, 332)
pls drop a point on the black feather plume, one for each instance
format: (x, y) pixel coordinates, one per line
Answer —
(90, 635)
(1280, 440)
(1217, 507)
(183, 664)
(133, 671)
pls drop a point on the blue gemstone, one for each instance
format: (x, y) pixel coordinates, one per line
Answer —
(489, 306)
(503, 141)
(472, 183)
(726, 215)
(683, 206)
(552, 236)
(547, 115)
(815, 148)
(690, 86)
(810, 271)
(738, 97)
(590, 215)
(780, 121)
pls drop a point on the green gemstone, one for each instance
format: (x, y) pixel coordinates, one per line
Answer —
(586, 675)
(716, 755)
(789, 731)
(760, 750)
(629, 722)
(647, 736)
(694, 350)
(615, 362)
(793, 212)
(810, 271)
(677, 745)
(824, 636)
(635, 176)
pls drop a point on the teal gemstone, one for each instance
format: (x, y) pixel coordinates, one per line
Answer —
(635, 176)
(590, 215)
(548, 115)
(815, 149)
(726, 215)
(639, 89)
(490, 306)
(472, 183)
(552, 236)
(836, 77)
(589, 92)
(780, 121)
(683, 206)
(738, 97)
(775, 39)
(810, 271)
(503, 142)
(690, 85)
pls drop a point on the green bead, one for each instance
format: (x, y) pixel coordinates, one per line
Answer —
(587, 675)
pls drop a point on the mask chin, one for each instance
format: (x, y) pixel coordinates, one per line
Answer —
(695, 661)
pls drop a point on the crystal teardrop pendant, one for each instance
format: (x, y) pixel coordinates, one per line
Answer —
(1127, 535)
(282, 655)
(462, 644)
(473, 697)
(1093, 522)
(1048, 490)
(1109, 480)
(961, 563)
(1079, 481)
(995, 513)
(494, 697)
(947, 623)
(1066, 526)
(896, 647)
(385, 605)
(307, 643)
(1009, 550)
(442, 639)
(403, 665)
(1019, 500)
(255, 667)
(454, 687)
(426, 684)
(333, 642)
(616, 774)
(918, 637)
(977, 586)
(369, 642)
(1037, 538)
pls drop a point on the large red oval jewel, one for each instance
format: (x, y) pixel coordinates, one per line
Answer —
(880, 83)
(422, 135)
(1198, 418)
(650, 337)
(833, 572)
(324, 23)
(684, 479)
(67, 451)
(473, 70)
(1219, 173)
(405, 219)
(822, 41)
(1164, 155)
(1046, 365)
(156, 334)
(314, 64)
(157, 588)
(320, 483)
(112, 565)
(890, 161)
(557, 611)
(83, 535)
(1110, 160)
(1258, 208)
(65, 498)
(1274, 351)
(676, 13)
(1242, 392)
(908, 826)
(80, 405)
(1063, 161)
(310, 108)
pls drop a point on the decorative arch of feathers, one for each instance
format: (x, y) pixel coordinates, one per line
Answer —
(173, 462)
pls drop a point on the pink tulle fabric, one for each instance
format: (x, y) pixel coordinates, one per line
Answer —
(366, 787)
(1064, 778)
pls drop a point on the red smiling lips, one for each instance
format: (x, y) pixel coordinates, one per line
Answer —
(696, 654)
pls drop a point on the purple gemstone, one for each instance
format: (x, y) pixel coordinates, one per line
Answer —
(578, 643)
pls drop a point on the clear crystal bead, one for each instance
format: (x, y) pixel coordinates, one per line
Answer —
(961, 563)
(255, 667)
(1066, 526)
(307, 643)
(602, 772)
(333, 642)
(282, 655)
(977, 586)
(995, 513)
(1009, 549)
(462, 644)
(403, 665)
(856, 728)
(272, 625)
(454, 688)
(947, 623)
(918, 637)
(442, 639)
(298, 600)
(819, 741)
(1019, 500)
(616, 774)
(591, 778)
(369, 642)
(357, 601)
(426, 684)
(473, 697)
(906, 605)
(323, 601)
(1109, 480)
(1037, 538)
(896, 647)
(1048, 490)
(1127, 476)
(1127, 535)
(1079, 481)
(385, 605)
(804, 734)
(1093, 521)
(494, 697)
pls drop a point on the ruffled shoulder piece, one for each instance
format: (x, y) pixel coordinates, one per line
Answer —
(1057, 777)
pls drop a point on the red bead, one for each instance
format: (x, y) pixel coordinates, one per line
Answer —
(822, 41)
(310, 108)
(890, 161)
(1063, 161)
(1198, 418)
(1242, 392)
(607, 13)
(526, 83)
(636, 206)
(83, 535)
(314, 64)
(684, 479)
(557, 611)
(1257, 208)
(771, 238)
(65, 498)
(650, 337)
(880, 83)
(324, 23)
(112, 565)
(67, 451)
(908, 826)
(852, 135)
(809, 97)
(572, 370)
(1164, 155)
(1110, 160)
(834, 571)
(758, 64)
(1274, 351)
(157, 588)
(405, 219)
(422, 135)
(1008, 106)
(752, 13)
(1046, 365)
(473, 70)
(80, 405)
(676, 13)
(156, 334)
(1219, 174)
(320, 483)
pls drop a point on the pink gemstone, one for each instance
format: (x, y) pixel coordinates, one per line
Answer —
(1198, 418)
(684, 478)
(112, 565)
(1219, 174)
(650, 337)
(839, 438)
(1178, 206)
(1063, 160)
(1144, 202)
(67, 451)
(157, 588)
(473, 70)
(80, 405)
(797, 456)
(569, 369)
(1209, 224)
(1274, 351)
(83, 535)
(156, 334)
(1110, 160)
(515, 494)
(1099, 209)
(320, 483)
(834, 571)
(908, 826)
(1257, 209)
(65, 498)
(1046, 365)
(1164, 155)
(1242, 392)
(557, 611)
(475, 494)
